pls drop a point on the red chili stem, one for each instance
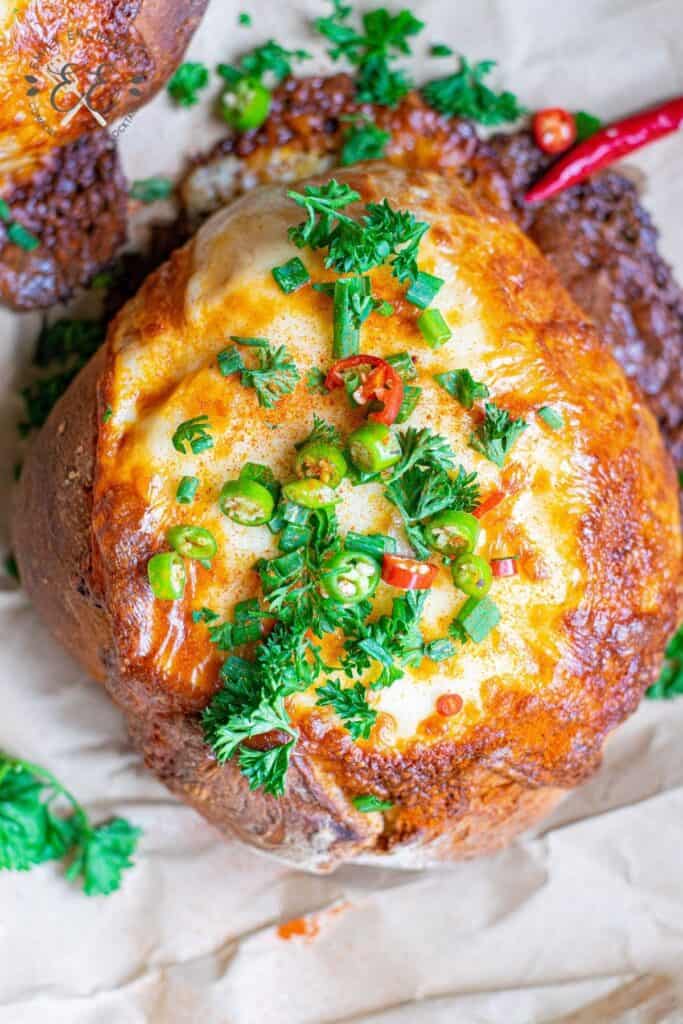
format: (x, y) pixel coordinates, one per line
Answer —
(607, 146)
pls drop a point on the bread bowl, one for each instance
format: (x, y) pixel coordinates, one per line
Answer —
(589, 509)
(59, 171)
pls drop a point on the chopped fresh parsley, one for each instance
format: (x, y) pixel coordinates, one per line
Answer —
(11, 567)
(5, 212)
(363, 140)
(440, 50)
(496, 434)
(186, 82)
(421, 484)
(149, 190)
(351, 705)
(107, 414)
(586, 125)
(62, 350)
(195, 433)
(461, 385)
(670, 681)
(464, 94)
(22, 237)
(204, 614)
(381, 235)
(274, 376)
(32, 832)
(270, 59)
(244, 19)
(371, 49)
(368, 802)
(322, 431)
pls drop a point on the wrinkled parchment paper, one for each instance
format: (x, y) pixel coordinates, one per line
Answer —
(583, 923)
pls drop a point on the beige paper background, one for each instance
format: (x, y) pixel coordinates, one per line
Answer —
(545, 928)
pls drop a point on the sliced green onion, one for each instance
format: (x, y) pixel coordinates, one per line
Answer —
(5, 212)
(434, 328)
(294, 537)
(424, 289)
(229, 361)
(22, 237)
(440, 650)
(273, 571)
(551, 417)
(295, 514)
(187, 489)
(478, 618)
(377, 545)
(148, 190)
(411, 396)
(349, 294)
(291, 276)
(250, 342)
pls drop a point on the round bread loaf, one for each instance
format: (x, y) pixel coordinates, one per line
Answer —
(589, 510)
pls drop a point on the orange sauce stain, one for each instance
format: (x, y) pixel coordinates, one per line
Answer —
(308, 927)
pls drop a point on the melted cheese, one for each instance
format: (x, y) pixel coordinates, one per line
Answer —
(501, 302)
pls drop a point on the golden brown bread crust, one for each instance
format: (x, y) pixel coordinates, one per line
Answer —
(455, 799)
(62, 181)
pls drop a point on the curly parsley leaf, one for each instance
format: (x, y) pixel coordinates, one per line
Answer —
(363, 140)
(31, 832)
(464, 94)
(670, 681)
(268, 60)
(351, 705)
(187, 81)
(149, 190)
(461, 385)
(496, 434)
(274, 376)
(371, 49)
(586, 125)
(315, 381)
(381, 235)
(322, 432)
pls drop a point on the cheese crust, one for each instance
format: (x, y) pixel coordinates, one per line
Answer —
(590, 509)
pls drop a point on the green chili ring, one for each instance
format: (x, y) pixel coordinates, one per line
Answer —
(192, 542)
(350, 577)
(310, 493)
(472, 575)
(166, 575)
(246, 501)
(373, 447)
(453, 532)
(321, 461)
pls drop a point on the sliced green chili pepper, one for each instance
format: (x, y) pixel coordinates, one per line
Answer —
(246, 105)
(472, 575)
(373, 447)
(350, 577)
(166, 575)
(310, 493)
(453, 533)
(321, 461)
(246, 502)
(192, 542)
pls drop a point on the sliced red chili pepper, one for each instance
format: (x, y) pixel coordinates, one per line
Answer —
(381, 383)
(504, 566)
(489, 502)
(606, 146)
(408, 573)
(554, 129)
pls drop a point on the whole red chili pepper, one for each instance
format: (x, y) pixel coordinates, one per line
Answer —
(607, 146)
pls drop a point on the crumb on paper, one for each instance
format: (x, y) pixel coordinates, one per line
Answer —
(309, 926)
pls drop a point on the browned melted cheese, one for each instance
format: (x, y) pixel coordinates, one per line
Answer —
(590, 509)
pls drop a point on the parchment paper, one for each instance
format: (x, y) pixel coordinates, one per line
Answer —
(588, 914)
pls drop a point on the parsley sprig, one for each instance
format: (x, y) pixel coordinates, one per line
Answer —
(670, 681)
(464, 94)
(274, 376)
(371, 49)
(270, 60)
(423, 483)
(351, 704)
(496, 434)
(32, 831)
(381, 235)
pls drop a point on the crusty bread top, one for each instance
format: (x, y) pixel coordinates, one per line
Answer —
(590, 509)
